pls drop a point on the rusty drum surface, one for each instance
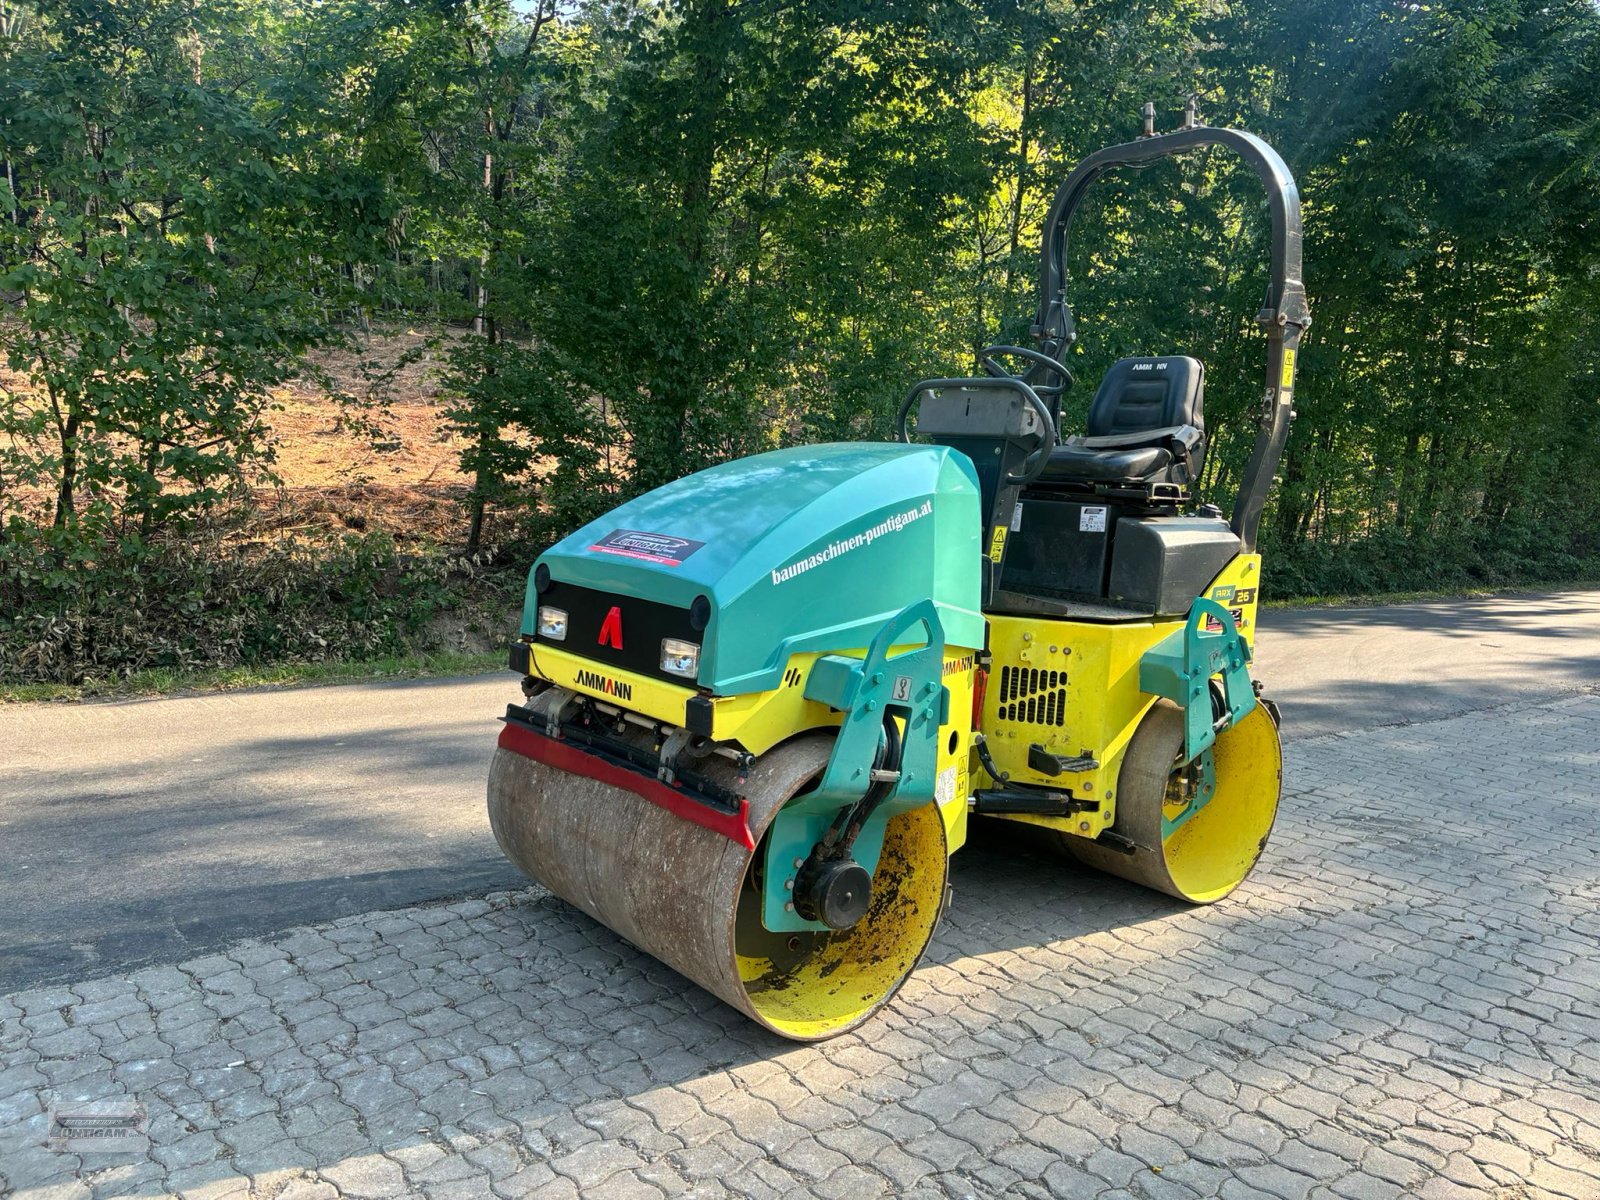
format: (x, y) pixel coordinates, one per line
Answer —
(690, 896)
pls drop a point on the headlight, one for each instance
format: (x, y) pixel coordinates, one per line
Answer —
(553, 623)
(680, 658)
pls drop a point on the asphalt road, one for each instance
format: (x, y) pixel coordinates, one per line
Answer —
(152, 831)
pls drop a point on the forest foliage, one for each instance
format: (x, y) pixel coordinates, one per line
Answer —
(675, 232)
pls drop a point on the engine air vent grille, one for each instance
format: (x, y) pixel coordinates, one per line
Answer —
(1030, 696)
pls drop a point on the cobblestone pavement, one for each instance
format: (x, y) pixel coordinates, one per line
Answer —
(1403, 1001)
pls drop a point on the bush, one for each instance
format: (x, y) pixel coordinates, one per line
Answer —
(1462, 559)
(73, 611)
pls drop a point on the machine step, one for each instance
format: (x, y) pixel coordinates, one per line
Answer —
(1047, 763)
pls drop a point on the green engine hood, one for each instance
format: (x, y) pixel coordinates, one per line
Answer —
(811, 548)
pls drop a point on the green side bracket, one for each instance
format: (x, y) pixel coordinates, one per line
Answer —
(906, 684)
(1181, 666)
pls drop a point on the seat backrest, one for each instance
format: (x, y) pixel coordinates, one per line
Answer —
(1148, 393)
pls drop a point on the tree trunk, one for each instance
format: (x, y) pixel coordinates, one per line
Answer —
(482, 480)
(147, 507)
(478, 322)
(65, 493)
(475, 523)
(1022, 179)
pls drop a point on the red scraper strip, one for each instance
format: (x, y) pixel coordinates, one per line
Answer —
(565, 756)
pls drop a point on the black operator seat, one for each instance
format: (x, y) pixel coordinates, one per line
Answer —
(1146, 425)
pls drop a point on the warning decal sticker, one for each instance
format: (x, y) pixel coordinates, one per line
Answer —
(1092, 519)
(659, 548)
(997, 544)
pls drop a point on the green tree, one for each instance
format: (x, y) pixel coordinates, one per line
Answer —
(1449, 156)
(481, 92)
(172, 244)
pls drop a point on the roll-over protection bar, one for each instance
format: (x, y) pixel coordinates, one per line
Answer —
(1284, 314)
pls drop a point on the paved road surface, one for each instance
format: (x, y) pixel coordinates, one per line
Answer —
(151, 831)
(1402, 1002)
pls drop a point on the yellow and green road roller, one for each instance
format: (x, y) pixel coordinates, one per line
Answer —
(764, 701)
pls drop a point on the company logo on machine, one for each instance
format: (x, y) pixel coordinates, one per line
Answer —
(660, 548)
(596, 682)
(891, 524)
(611, 629)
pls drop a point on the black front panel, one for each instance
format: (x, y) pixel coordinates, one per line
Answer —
(638, 625)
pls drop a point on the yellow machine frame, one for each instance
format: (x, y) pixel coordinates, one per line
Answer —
(1087, 698)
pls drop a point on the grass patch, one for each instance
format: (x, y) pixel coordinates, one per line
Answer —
(160, 682)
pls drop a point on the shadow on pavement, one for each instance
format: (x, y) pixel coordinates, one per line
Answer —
(117, 870)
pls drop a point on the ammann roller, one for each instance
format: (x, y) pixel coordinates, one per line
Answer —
(764, 701)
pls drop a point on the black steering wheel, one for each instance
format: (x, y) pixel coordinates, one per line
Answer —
(987, 358)
(1033, 466)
